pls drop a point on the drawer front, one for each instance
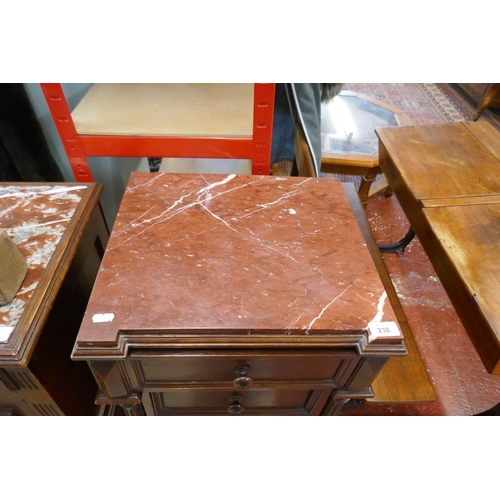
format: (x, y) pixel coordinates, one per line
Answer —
(241, 371)
(253, 402)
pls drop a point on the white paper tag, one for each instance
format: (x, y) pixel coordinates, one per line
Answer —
(383, 330)
(103, 318)
(5, 333)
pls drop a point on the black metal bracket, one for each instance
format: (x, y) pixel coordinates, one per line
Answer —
(399, 246)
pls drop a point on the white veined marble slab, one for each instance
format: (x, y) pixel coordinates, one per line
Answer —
(35, 217)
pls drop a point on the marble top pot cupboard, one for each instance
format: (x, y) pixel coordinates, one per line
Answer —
(237, 295)
(60, 232)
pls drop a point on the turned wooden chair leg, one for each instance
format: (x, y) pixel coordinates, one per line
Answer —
(154, 164)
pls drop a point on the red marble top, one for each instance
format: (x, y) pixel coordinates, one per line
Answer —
(241, 255)
(35, 216)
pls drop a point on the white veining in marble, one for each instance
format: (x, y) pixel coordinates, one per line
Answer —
(380, 308)
(5, 333)
(206, 191)
(35, 218)
(243, 253)
(310, 325)
(11, 313)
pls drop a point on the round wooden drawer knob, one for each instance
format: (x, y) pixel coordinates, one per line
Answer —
(235, 408)
(242, 381)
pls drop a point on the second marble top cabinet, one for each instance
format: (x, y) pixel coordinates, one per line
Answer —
(61, 233)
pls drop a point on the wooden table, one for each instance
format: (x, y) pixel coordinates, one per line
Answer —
(348, 141)
(237, 294)
(60, 231)
(446, 178)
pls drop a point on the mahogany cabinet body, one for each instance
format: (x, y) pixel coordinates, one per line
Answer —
(208, 382)
(60, 231)
(236, 295)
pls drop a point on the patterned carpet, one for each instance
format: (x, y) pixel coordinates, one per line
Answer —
(426, 104)
(465, 97)
(429, 103)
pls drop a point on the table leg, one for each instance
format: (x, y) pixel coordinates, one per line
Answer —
(154, 164)
(136, 410)
(388, 191)
(490, 97)
(364, 188)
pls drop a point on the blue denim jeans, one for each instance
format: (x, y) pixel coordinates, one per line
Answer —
(308, 96)
(283, 128)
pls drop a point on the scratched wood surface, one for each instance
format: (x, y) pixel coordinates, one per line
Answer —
(446, 179)
(465, 252)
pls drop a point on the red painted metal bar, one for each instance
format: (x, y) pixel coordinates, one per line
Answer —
(61, 114)
(167, 147)
(257, 148)
(262, 127)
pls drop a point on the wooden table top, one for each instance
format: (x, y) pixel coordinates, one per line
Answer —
(44, 221)
(444, 161)
(236, 259)
(358, 114)
(469, 242)
(470, 234)
(161, 109)
(446, 178)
